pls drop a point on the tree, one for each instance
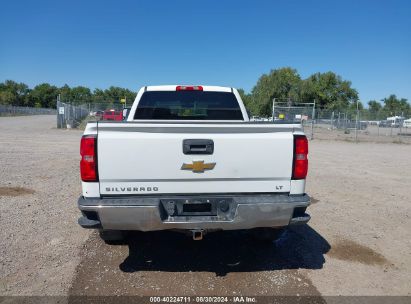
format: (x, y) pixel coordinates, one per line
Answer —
(114, 94)
(45, 95)
(6, 97)
(98, 95)
(80, 95)
(14, 93)
(374, 108)
(329, 91)
(65, 93)
(247, 100)
(281, 83)
(394, 106)
(75, 95)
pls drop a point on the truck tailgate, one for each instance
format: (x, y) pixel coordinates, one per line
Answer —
(141, 158)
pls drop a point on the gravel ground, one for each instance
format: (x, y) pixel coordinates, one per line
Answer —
(39, 180)
(357, 243)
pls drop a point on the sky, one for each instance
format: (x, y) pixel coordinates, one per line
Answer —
(217, 42)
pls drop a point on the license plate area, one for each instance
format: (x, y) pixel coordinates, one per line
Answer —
(208, 206)
(197, 208)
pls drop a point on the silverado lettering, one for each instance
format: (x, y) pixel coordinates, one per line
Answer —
(131, 189)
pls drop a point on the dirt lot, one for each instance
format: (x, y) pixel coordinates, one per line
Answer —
(357, 243)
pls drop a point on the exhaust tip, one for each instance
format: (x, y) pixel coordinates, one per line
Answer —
(197, 235)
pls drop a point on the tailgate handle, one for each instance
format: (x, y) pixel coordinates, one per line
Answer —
(198, 146)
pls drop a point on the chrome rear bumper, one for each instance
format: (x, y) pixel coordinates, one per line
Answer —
(147, 213)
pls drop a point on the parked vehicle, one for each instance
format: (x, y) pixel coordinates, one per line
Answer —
(189, 159)
(112, 115)
(352, 124)
(407, 123)
(362, 125)
(385, 124)
(99, 115)
(396, 121)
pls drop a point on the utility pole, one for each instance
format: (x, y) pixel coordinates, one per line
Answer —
(59, 117)
(312, 121)
(401, 121)
(338, 124)
(356, 123)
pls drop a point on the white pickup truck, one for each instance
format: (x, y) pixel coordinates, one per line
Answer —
(187, 158)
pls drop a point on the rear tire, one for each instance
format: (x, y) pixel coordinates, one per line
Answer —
(267, 234)
(112, 237)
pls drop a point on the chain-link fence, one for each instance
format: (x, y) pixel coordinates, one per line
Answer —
(69, 115)
(107, 111)
(295, 112)
(105, 106)
(7, 110)
(72, 115)
(356, 126)
(351, 125)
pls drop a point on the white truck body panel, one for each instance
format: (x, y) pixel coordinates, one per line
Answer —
(250, 157)
(141, 159)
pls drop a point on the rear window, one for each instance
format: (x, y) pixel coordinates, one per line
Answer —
(188, 105)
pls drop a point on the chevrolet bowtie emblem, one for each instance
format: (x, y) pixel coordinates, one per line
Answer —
(198, 166)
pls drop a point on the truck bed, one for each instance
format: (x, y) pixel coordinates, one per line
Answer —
(145, 158)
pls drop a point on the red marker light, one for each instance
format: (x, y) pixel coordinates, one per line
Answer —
(189, 88)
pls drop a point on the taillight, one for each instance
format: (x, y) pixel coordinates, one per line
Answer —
(88, 163)
(300, 165)
(189, 88)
